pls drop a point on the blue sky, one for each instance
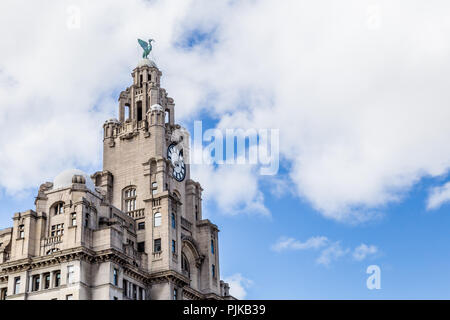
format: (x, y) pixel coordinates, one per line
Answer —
(362, 120)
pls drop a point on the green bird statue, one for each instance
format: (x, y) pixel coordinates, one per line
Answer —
(146, 46)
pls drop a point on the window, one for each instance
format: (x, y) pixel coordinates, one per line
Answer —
(3, 294)
(154, 188)
(73, 217)
(115, 277)
(86, 220)
(58, 208)
(174, 246)
(175, 294)
(70, 274)
(174, 221)
(157, 245)
(157, 219)
(196, 212)
(130, 199)
(139, 110)
(16, 285)
(36, 281)
(141, 246)
(141, 225)
(52, 251)
(21, 231)
(127, 111)
(185, 265)
(125, 287)
(212, 246)
(69, 297)
(57, 279)
(213, 271)
(46, 280)
(57, 229)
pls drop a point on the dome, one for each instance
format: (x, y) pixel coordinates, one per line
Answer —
(156, 107)
(146, 62)
(65, 179)
(112, 120)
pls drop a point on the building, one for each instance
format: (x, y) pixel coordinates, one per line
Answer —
(132, 231)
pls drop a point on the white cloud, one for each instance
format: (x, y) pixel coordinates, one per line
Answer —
(362, 116)
(232, 187)
(363, 251)
(238, 285)
(331, 253)
(329, 250)
(285, 243)
(438, 196)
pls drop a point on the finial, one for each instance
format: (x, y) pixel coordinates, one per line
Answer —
(147, 46)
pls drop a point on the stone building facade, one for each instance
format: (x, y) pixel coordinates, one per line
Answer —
(131, 231)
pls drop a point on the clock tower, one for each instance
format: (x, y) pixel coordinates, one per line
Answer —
(146, 175)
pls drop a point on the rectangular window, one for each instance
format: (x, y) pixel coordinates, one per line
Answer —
(125, 288)
(174, 246)
(213, 271)
(21, 231)
(70, 274)
(74, 219)
(36, 282)
(16, 285)
(141, 225)
(57, 279)
(154, 188)
(86, 221)
(57, 230)
(175, 294)
(157, 245)
(212, 246)
(116, 277)
(141, 246)
(46, 280)
(174, 221)
(3, 294)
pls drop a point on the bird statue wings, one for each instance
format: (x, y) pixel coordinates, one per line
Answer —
(147, 46)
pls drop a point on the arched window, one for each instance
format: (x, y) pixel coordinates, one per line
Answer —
(58, 208)
(129, 197)
(157, 219)
(174, 221)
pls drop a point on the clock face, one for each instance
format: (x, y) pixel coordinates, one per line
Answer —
(176, 157)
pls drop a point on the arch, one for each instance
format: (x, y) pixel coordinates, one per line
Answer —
(193, 261)
(190, 244)
(57, 208)
(176, 194)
